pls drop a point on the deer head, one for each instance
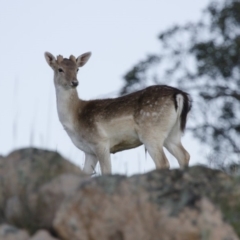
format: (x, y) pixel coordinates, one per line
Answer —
(65, 69)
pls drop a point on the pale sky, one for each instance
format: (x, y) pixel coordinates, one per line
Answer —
(118, 33)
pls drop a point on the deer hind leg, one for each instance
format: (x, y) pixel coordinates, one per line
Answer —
(90, 163)
(174, 146)
(154, 147)
(157, 154)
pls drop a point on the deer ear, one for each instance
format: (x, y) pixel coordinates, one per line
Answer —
(51, 60)
(82, 59)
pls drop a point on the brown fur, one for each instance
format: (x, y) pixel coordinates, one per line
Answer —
(155, 116)
(148, 99)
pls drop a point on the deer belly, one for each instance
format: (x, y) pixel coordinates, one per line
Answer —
(124, 140)
(121, 133)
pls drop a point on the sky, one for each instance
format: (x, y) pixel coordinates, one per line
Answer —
(118, 33)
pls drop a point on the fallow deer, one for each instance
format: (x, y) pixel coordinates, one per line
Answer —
(155, 116)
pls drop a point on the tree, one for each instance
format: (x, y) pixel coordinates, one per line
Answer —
(202, 58)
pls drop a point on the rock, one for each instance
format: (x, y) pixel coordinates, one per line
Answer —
(8, 232)
(37, 187)
(191, 204)
(13, 208)
(25, 175)
(27, 169)
(51, 195)
(42, 235)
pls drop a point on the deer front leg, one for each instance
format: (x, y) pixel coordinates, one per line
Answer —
(104, 158)
(90, 163)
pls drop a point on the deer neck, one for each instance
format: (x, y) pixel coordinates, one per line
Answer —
(68, 104)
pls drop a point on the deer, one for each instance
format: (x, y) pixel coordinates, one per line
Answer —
(155, 117)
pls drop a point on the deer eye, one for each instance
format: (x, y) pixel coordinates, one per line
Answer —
(60, 70)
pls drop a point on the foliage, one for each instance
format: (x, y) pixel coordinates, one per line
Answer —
(202, 58)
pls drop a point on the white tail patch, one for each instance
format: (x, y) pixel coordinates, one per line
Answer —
(179, 99)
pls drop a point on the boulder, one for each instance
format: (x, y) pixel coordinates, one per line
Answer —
(27, 169)
(8, 232)
(42, 235)
(191, 204)
(33, 183)
(45, 194)
(51, 195)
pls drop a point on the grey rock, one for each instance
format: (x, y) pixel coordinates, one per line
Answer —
(42, 235)
(192, 204)
(8, 232)
(23, 173)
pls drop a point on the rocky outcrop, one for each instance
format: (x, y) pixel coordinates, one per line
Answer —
(33, 183)
(161, 204)
(42, 235)
(52, 199)
(8, 232)
(27, 169)
(51, 195)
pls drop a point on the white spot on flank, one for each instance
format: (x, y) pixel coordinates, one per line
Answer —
(148, 114)
(154, 114)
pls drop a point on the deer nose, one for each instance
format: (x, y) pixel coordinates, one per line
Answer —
(74, 83)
